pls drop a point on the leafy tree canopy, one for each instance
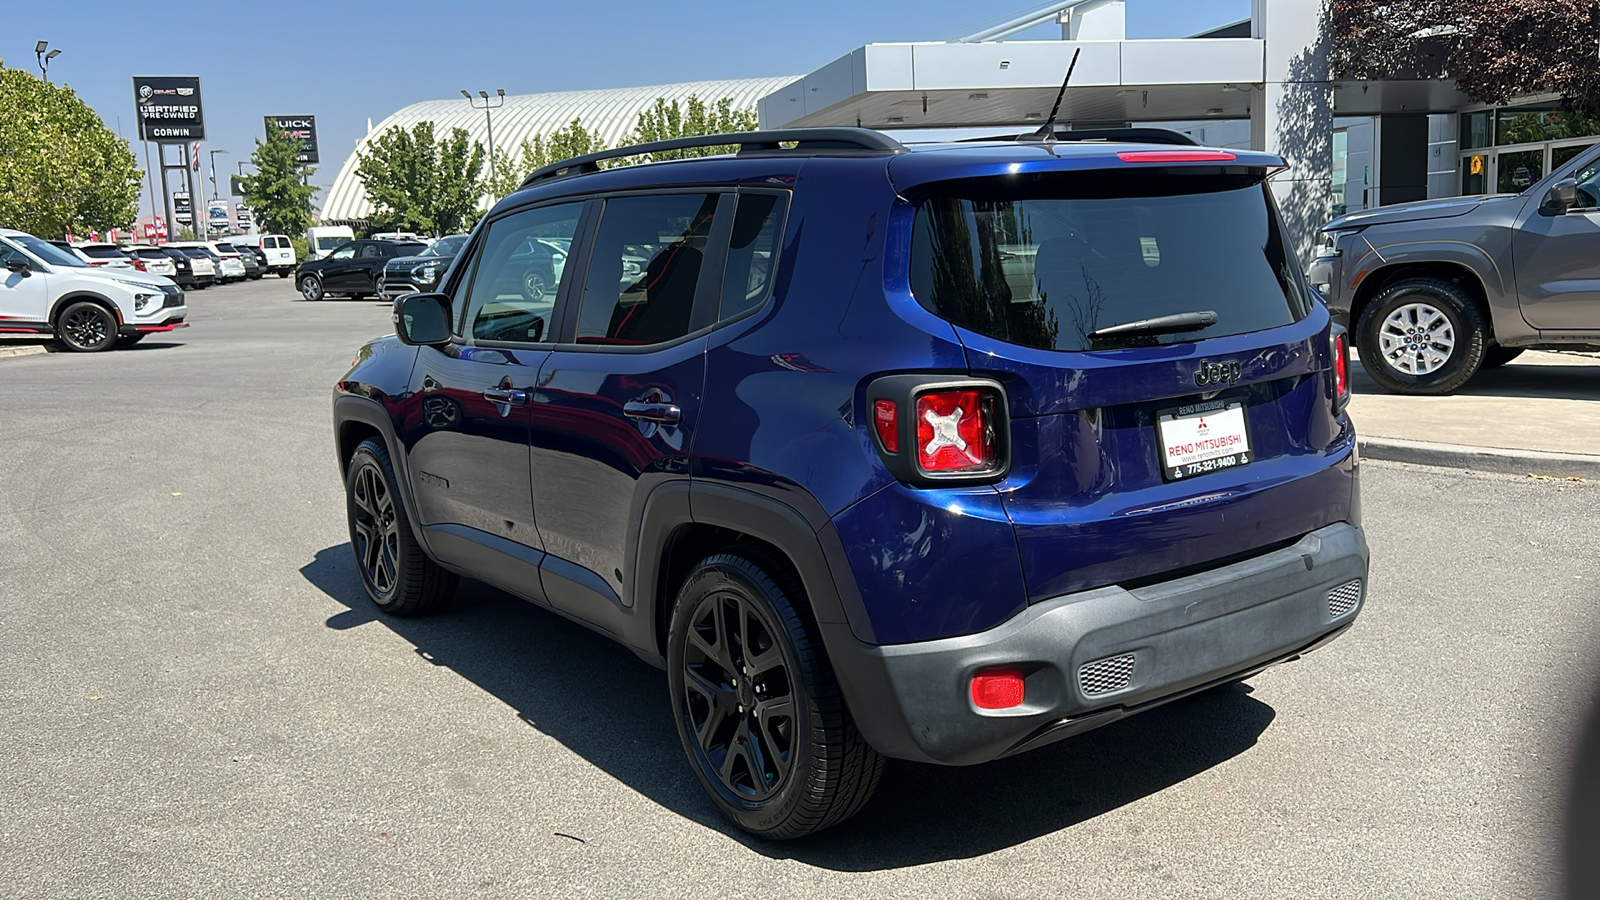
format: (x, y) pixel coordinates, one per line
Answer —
(665, 121)
(61, 168)
(418, 183)
(278, 194)
(1495, 51)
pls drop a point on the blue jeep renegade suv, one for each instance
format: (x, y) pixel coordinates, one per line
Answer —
(937, 452)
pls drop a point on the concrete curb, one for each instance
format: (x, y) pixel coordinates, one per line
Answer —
(1482, 459)
(28, 350)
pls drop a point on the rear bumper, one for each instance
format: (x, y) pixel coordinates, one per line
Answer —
(1093, 657)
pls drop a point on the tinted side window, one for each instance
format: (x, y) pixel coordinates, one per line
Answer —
(348, 251)
(520, 267)
(752, 252)
(370, 251)
(1588, 179)
(645, 270)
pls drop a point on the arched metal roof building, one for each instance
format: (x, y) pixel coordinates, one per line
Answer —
(612, 113)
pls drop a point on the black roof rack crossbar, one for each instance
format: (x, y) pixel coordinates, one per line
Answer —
(1118, 135)
(804, 139)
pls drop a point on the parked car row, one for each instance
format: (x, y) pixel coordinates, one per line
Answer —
(87, 306)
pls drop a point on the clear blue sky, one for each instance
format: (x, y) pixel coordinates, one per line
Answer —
(346, 61)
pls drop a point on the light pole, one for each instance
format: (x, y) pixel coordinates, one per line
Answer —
(499, 101)
(44, 58)
(213, 187)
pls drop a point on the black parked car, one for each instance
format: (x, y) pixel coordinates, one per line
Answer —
(405, 274)
(185, 276)
(352, 269)
(254, 268)
(258, 254)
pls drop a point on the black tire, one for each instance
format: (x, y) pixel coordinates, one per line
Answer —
(806, 767)
(129, 340)
(399, 577)
(283, 274)
(1462, 322)
(310, 288)
(1497, 356)
(86, 327)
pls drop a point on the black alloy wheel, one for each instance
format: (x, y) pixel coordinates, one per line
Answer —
(398, 575)
(757, 705)
(87, 327)
(311, 288)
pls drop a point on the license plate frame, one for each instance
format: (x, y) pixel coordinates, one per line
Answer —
(1221, 422)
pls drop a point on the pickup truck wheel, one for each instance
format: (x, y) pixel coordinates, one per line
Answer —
(1421, 336)
(87, 327)
(1495, 357)
(283, 274)
(311, 288)
(398, 575)
(757, 706)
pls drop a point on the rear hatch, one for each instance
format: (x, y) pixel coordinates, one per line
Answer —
(1147, 453)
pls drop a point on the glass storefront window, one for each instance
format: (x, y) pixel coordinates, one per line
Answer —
(1527, 126)
(1475, 130)
(1560, 155)
(1520, 170)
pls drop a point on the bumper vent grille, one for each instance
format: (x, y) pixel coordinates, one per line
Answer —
(1344, 598)
(1106, 675)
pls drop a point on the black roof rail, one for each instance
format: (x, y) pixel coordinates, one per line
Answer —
(804, 139)
(1117, 135)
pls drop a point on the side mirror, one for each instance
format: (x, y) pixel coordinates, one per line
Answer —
(1563, 195)
(422, 319)
(19, 266)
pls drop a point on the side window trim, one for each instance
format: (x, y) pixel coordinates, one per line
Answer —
(565, 317)
(708, 290)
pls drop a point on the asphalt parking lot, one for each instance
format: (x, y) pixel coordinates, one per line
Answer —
(200, 703)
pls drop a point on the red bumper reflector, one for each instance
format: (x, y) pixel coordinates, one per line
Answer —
(1172, 156)
(147, 329)
(997, 689)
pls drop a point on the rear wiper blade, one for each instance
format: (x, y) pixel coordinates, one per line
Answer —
(1174, 323)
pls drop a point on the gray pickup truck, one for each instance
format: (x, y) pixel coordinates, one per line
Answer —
(1435, 290)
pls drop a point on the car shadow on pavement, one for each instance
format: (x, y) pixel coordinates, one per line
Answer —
(1556, 382)
(610, 707)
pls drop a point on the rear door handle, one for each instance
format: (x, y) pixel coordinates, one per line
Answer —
(508, 396)
(664, 413)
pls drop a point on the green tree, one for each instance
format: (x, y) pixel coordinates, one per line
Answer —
(665, 121)
(539, 151)
(278, 194)
(416, 182)
(60, 166)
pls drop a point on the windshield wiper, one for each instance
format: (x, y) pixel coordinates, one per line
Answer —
(1174, 323)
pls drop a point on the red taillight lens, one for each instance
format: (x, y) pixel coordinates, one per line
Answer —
(99, 262)
(138, 264)
(886, 419)
(1341, 371)
(954, 434)
(998, 689)
(1172, 156)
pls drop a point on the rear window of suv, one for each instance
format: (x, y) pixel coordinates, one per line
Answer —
(1044, 260)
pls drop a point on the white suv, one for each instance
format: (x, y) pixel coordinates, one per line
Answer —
(46, 290)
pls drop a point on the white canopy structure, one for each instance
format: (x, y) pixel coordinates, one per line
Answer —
(612, 113)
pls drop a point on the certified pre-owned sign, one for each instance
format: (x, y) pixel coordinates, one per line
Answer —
(169, 109)
(298, 128)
